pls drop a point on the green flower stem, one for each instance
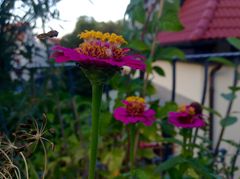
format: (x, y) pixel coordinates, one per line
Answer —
(191, 148)
(184, 145)
(187, 137)
(132, 148)
(97, 90)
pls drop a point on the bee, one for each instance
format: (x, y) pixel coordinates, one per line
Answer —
(50, 34)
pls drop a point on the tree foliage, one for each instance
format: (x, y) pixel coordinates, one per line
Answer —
(16, 17)
(88, 23)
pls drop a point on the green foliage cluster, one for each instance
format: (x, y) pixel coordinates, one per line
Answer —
(17, 17)
(88, 23)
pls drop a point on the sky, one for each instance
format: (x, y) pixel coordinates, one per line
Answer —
(100, 10)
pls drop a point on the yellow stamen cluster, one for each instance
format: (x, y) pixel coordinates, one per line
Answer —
(135, 106)
(190, 110)
(93, 50)
(100, 51)
(135, 99)
(112, 38)
(182, 108)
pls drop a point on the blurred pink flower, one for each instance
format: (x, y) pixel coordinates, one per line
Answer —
(189, 116)
(101, 49)
(135, 111)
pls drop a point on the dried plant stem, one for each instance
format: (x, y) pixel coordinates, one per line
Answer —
(26, 165)
(45, 160)
(18, 174)
(6, 171)
(4, 153)
(3, 175)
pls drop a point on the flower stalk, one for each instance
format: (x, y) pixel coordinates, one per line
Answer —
(132, 148)
(99, 56)
(97, 90)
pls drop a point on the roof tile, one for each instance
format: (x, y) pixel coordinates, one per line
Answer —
(206, 19)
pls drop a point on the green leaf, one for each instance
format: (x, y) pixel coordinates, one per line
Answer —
(200, 168)
(170, 163)
(113, 159)
(169, 54)
(175, 173)
(32, 170)
(105, 119)
(135, 11)
(234, 42)
(210, 110)
(140, 174)
(228, 121)
(138, 45)
(229, 96)
(221, 60)
(166, 108)
(151, 90)
(234, 88)
(192, 173)
(50, 117)
(149, 65)
(159, 70)
(169, 20)
(146, 173)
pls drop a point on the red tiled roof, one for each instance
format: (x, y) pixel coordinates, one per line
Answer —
(205, 19)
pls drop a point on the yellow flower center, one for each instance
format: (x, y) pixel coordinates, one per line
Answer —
(135, 99)
(190, 110)
(182, 108)
(135, 106)
(101, 45)
(112, 38)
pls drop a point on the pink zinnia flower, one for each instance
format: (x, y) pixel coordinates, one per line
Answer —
(134, 111)
(189, 116)
(100, 49)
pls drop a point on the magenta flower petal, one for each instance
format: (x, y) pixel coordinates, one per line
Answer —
(120, 114)
(62, 54)
(133, 63)
(199, 122)
(134, 111)
(184, 120)
(149, 117)
(100, 50)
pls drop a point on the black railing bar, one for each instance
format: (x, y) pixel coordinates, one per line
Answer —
(204, 92)
(212, 88)
(206, 64)
(208, 55)
(174, 61)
